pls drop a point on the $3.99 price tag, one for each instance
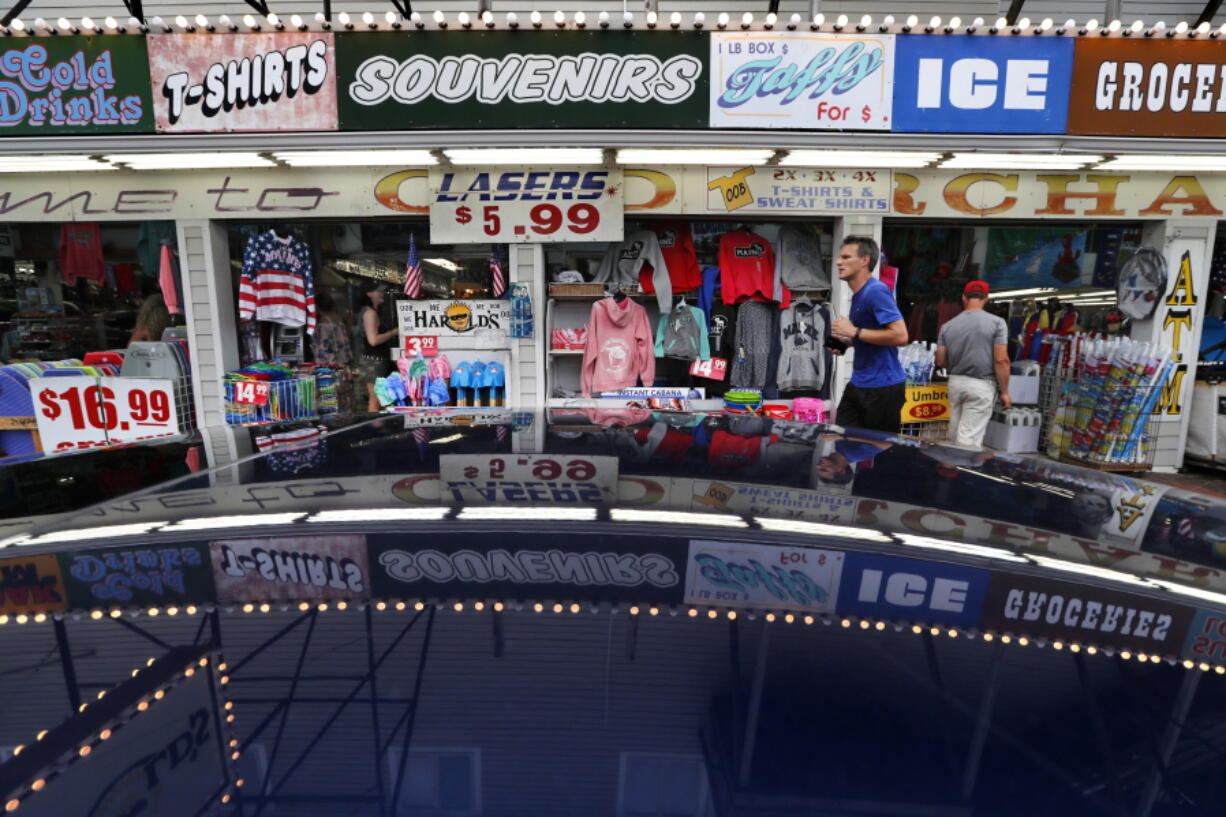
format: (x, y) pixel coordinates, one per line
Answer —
(424, 345)
(77, 413)
(251, 392)
(714, 369)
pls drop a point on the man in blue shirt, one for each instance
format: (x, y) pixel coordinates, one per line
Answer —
(874, 326)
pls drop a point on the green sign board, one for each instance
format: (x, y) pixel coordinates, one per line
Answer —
(521, 79)
(159, 576)
(63, 86)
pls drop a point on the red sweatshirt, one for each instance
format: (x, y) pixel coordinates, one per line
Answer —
(747, 269)
(619, 350)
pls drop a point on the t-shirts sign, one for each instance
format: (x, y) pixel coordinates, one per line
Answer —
(275, 81)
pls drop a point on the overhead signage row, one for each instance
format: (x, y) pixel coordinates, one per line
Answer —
(789, 80)
(535, 202)
(560, 568)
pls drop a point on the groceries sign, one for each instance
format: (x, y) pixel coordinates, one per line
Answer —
(1123, 88)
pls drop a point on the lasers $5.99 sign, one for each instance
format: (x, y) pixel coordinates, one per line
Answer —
(525, 204)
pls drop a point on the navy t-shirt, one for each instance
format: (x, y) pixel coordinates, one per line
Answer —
(873, 307)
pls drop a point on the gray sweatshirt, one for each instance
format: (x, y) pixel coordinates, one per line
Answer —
(801, 335)
(682, 334)
(623, 262)
(798, 259)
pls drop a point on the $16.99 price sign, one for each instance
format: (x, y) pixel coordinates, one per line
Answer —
(78, 413)
(481, 207)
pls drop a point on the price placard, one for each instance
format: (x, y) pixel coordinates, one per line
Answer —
(528, 204)
(80, 413)
(528, 479)
(146, 409)
(424, 345)
(251, 392)
(714, 369)
(926, 404)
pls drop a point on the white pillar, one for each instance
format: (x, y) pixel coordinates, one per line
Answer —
(840, 294)
(1177, 323)
(212, 330)
(528, 389)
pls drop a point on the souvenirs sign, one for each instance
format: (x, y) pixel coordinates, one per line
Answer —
(521, 79)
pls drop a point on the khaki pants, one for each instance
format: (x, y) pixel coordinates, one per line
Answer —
(970, 407)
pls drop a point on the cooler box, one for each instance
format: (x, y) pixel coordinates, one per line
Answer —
(1024, 389)
(152, 359)
(1207, 426)
(1012, 439)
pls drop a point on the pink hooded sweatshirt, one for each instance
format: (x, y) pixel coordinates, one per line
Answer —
(619, 350)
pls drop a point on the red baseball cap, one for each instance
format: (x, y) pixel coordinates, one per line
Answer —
(976, 288)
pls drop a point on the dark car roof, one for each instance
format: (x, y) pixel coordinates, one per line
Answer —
(879, 593)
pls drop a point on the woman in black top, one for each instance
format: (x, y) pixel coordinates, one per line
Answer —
(374, 344)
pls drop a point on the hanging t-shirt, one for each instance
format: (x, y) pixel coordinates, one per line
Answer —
(81, 253)
(169, 281)
(677, 247)
(747, 269)
(149, 241)
(125, 278)
(798, 259)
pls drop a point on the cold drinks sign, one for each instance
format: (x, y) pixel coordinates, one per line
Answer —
(69, 85)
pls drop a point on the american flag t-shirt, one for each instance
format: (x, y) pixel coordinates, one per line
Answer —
(412, 270)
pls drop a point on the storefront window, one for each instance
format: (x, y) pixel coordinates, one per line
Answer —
(739, 295)
(1058, 276)
(71, 290)
(302, 290)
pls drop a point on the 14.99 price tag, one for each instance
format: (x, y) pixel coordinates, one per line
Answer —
(714, 369)
(251, 392)
(492, 206)
(79, 413)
